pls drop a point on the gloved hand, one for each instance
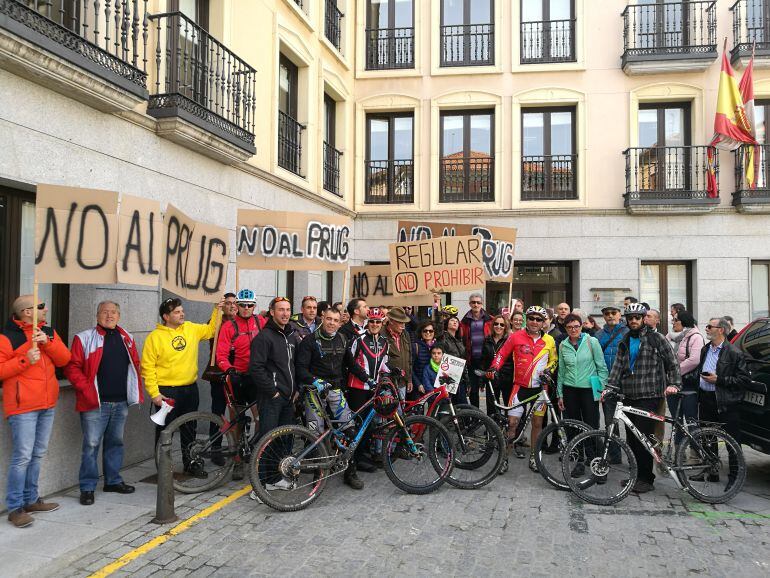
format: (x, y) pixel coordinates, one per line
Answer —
(231, 372)
(491, 374)
(320, 385)
(371, 383)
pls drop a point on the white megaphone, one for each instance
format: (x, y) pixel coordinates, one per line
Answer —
(159, 417)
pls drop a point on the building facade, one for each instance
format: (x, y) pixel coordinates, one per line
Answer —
(584, 125)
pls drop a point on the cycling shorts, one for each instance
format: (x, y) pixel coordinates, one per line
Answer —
(521, 395)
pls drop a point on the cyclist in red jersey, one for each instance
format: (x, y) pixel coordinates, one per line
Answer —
(533, 352)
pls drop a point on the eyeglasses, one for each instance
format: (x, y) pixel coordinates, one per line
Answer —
(538, 319)
(309, 298)
(428, 331)
(634, 317)
(376, 321)
(573, 327)
(40, 307)
(498, 325)
(247, 305)
(475, 302)
(707, 326)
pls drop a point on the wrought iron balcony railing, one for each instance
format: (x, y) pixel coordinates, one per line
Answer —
(389, 48)
(670, 30)
(333, 23)
(389, 182)
(748, 194)
(199, 79)
(331, 169)
(751, 28)
(467, 179)
(290, 143)
(549, 178)
(674, 175)
(105, 38)
(548, 41)
(468, 45)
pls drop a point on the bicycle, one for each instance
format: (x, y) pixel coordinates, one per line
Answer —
(216, 443)
(478, 440)
(548, 462)
(593, 477)
(291, 464)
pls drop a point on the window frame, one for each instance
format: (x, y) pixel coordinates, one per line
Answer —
(391, 38)
(665, 306)
(293, 75)
(466, 116)
(466, 43)
(764, 263)
(390, 117)
(546, 17)
(547, 111)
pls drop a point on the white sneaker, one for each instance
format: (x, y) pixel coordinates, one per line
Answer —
(253, 496)
(282, 484)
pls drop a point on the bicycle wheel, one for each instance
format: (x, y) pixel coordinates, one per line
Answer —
(282, 481)
(715, 469)
(479, 449)
(207, 456)
(549, 462)
(419, 456)
(442, 409)
(591, 476)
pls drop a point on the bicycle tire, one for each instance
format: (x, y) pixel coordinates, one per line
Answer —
(200, 451)
(706, 468)
(270, 444)
(565, 429)
(479, 431)
(433, 444)
(581, 485)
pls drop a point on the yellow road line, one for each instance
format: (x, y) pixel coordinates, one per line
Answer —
(178, 529)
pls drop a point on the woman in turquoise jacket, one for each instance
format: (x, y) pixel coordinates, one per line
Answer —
(581, 371)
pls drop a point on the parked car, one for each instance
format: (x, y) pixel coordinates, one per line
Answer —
(754, 341)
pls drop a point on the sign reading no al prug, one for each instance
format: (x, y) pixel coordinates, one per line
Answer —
(442, 264)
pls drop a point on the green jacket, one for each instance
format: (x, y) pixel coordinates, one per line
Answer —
(577, 367)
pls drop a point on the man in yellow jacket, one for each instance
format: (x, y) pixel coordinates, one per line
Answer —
(170, 367)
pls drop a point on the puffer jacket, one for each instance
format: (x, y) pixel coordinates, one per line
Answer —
(29, 387)
(420, 359)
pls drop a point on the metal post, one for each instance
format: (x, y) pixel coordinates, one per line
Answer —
(164, 508)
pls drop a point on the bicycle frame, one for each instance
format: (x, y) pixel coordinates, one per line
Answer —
(535, 400)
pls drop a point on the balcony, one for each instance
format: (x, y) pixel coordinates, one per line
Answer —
(331, 169)
(548, 42)
(756, 199)
(751, 24)
(669, 37)
(90, 51)
(204, 95)
(290, 143)
(669, 179)
(389, 48)
(468, 45)
(467, 179)
(389, 182)
(549, 178)
(333, 24)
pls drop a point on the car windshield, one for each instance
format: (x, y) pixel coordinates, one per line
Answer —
(755, 340)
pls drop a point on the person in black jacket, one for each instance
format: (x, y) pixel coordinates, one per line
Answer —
(271, 368)
(724, 377)
(356, 325)
(503, 382)
(320, 358)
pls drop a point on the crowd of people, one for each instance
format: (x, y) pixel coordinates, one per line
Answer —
(339, 351)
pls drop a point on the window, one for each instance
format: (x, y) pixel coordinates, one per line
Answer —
(333, 23)
(467, 32)
(664, 283)
(190, 46)
(549, 162)
(547, 31)
(17, 260)
(389, 154)
(389, 34)
(331, 156)
(760, 289)
(289, 129)
(664, 138)
(467, 163)
(285, 285)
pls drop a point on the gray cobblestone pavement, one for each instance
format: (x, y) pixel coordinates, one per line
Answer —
(517, 525)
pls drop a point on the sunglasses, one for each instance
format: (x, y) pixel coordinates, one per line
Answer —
(538, 319)
(40, 307)
(634, 317)
(498, 325)
(707, 326)
(247, 305)
(475, 302)
(428, 331)
(376, 321)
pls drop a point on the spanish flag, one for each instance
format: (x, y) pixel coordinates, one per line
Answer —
(750, 157)
(731, 125)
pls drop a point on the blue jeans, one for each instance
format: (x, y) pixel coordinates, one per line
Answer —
(104, 425)
(30, 433)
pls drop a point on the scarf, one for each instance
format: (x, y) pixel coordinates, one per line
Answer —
(434, 366)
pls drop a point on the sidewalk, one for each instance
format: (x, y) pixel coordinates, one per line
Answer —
(60, 535)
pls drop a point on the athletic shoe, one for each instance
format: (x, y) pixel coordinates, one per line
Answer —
(282, 484)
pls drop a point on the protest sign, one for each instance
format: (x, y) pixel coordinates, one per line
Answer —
(497, 246)
(76, 235)
(140, 241)
(450, 372)
(195, 259)
(293, 241)
(373, 284)
(437, 265)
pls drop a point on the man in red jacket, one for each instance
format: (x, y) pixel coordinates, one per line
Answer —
(28, 358)
(105, 372)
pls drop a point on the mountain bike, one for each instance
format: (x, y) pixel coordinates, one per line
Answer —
(291, 464)
(478, 441)
(215, 445)
(708, 463)
(556, 434)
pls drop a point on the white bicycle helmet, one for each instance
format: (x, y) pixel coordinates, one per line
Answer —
(635, 309)
(536, 310)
